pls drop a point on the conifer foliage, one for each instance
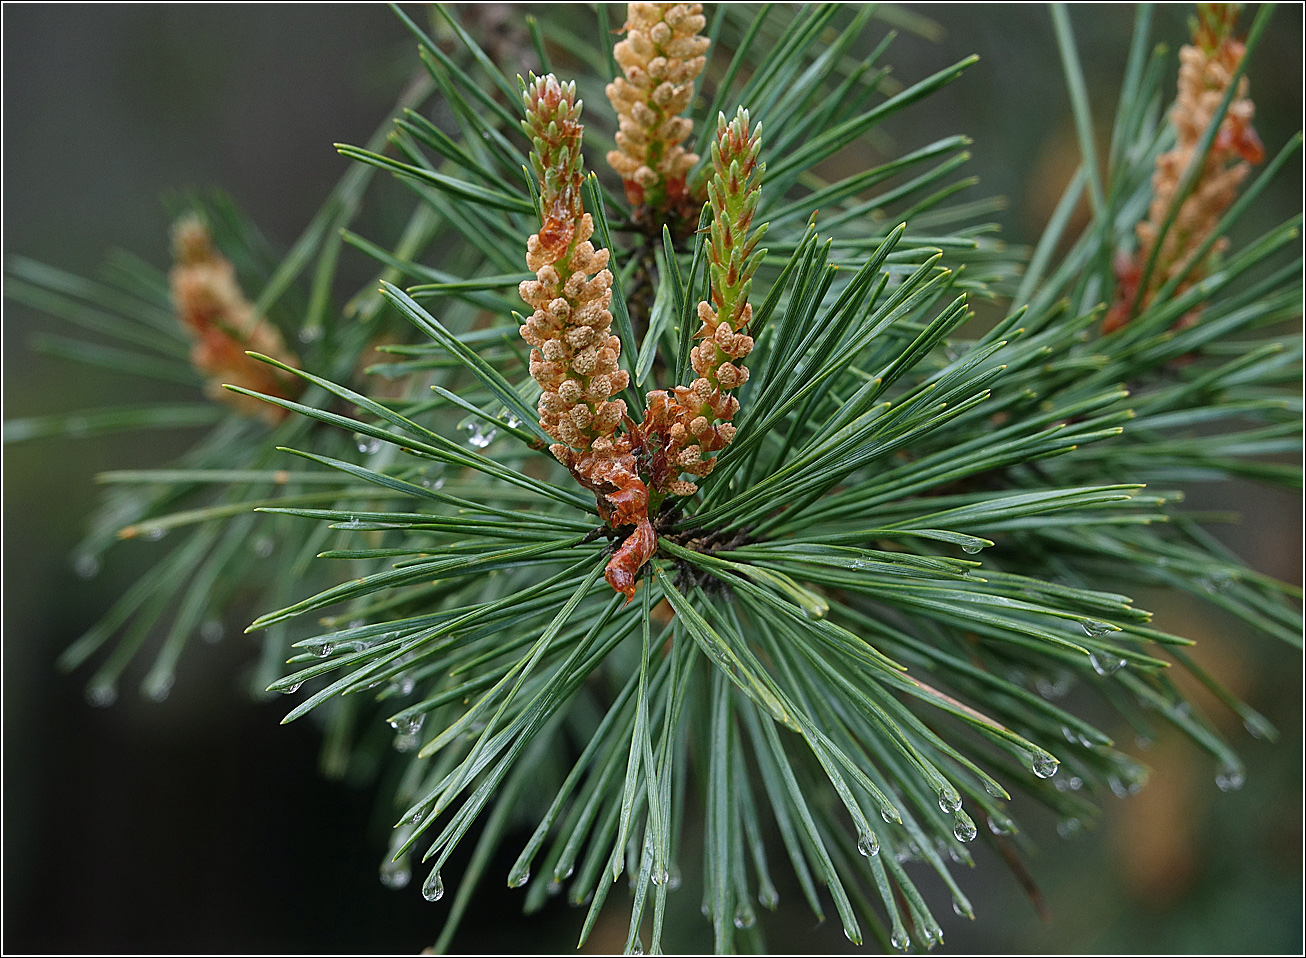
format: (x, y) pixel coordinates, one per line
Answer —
(673, 528)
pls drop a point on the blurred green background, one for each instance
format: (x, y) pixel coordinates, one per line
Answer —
(199, 824)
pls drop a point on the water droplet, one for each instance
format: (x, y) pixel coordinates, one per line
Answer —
(1053, 689)
(993, 789)
(291, 689)
(1258, 726)
(154, 535)
(263, 546)
(961, 912)
(892, 819)
(518, 878)
(310, 334)
(1144, 742)
(395, 874)
(86, 565)
(867, 844)
(949, 801)
(900, 939)
(325, 649)
(1104, 663)
(1095, 628)
(963, 828)
(1221, 580)
(402, 684)
(433, 887)
(1044, 764)
(409, 725)
(405, 742)
(813, 606)
(933, 937)
(1069, 827)
(564, 874)
(211, 631)
(768, 897)
(906, 853)
(1229, 778)
(1179, 710)
(1130, 779)
(972, 547)
(745, 917)
(513, 421)
(637, 948)
(553, 888)
(368, 445)
(101, 694)
(660, 877)
(1000, 825)
(478, 437)
(157, 687)
(674, 881)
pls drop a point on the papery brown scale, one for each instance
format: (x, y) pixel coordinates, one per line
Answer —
(1241, 139)
(622, 570)
(629, 504)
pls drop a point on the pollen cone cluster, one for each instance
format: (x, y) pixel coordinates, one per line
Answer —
(210, 304)
(574, 356)
(660, 59)
(1206, 69)
(694, 421)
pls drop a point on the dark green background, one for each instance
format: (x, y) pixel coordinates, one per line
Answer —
(199, 824)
